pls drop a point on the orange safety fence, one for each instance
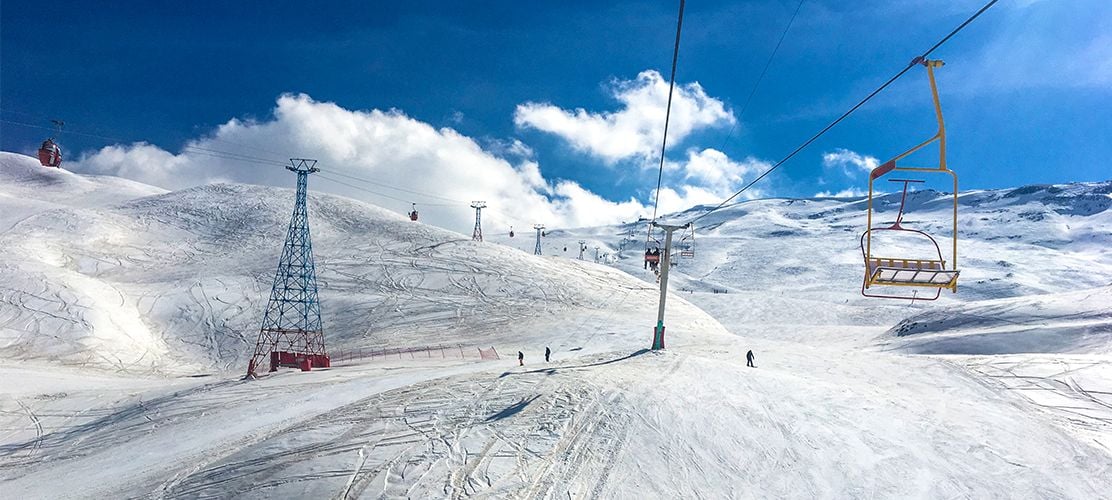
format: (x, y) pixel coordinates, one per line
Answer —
(458, 351)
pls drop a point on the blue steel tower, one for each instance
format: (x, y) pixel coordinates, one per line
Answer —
(291, 333)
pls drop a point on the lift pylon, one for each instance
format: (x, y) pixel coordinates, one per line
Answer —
(291, 333)
(477, 234)
(540, 232)
(665, 264)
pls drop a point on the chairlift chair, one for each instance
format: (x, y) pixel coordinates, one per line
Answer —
(888, 270)
(652, 243)
(687, 243)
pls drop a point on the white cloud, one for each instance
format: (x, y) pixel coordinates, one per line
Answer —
(707, 177)
(851, 165)
(512, 148)
(635, 130)
(850, 162)
(684, 197)
(715, 171)
(386, 147)
(392, 149)
(845, 193)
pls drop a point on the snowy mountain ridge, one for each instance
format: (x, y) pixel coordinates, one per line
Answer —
(177, 281)
(150, 269)
(127, 317)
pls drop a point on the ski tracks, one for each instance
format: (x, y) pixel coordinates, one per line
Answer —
(534, 434)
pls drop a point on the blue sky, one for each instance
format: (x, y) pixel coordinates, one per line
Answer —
(467, 101)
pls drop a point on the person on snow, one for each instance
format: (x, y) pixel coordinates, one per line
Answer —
(520, 358)
(749, 359)
(547, 353)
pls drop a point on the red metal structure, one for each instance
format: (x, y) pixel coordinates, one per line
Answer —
(302, 361)
(50, 155)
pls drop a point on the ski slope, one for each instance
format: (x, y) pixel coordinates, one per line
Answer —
(128, 316)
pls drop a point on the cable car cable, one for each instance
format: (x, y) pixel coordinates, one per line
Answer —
(368, 181)
(667, 118)
(813, 138)
(757, 84)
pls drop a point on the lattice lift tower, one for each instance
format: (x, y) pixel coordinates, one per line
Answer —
(291, 334)
(477, 235)
(540, 230)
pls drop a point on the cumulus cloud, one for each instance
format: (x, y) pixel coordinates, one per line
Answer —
(398, 159)
(850, 162)
(637, 128)
(716, 172)
(846, 166)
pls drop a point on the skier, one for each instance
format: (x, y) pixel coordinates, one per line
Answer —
(749, 359)
(547, 353)
(520, 358)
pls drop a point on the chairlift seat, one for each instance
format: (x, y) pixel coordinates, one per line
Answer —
(687, 253)
(911, 272)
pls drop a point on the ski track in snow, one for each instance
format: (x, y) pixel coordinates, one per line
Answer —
(132, 311)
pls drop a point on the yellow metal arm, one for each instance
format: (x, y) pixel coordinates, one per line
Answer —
(939, 136)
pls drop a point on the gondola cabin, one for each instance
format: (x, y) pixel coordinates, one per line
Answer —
(50, 155)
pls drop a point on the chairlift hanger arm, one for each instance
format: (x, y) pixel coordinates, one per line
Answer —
(939, 136)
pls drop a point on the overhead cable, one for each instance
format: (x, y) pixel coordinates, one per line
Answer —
(813, 138)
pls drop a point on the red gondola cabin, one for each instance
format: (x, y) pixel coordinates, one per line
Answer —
(50, 155)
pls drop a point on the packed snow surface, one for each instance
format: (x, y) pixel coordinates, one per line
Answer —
(127, 314)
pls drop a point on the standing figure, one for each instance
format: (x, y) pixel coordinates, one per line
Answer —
(749, 359)
(547, 353)
(520, 358)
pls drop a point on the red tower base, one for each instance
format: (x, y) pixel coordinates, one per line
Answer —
(305, 362)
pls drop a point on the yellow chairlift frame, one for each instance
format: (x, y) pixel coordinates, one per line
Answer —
(922, 273)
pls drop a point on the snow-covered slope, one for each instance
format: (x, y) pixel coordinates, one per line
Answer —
(795, 264)
(169, 283)
(1073, 322)
(30, 189)
(1012, 242)
(178, 281)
